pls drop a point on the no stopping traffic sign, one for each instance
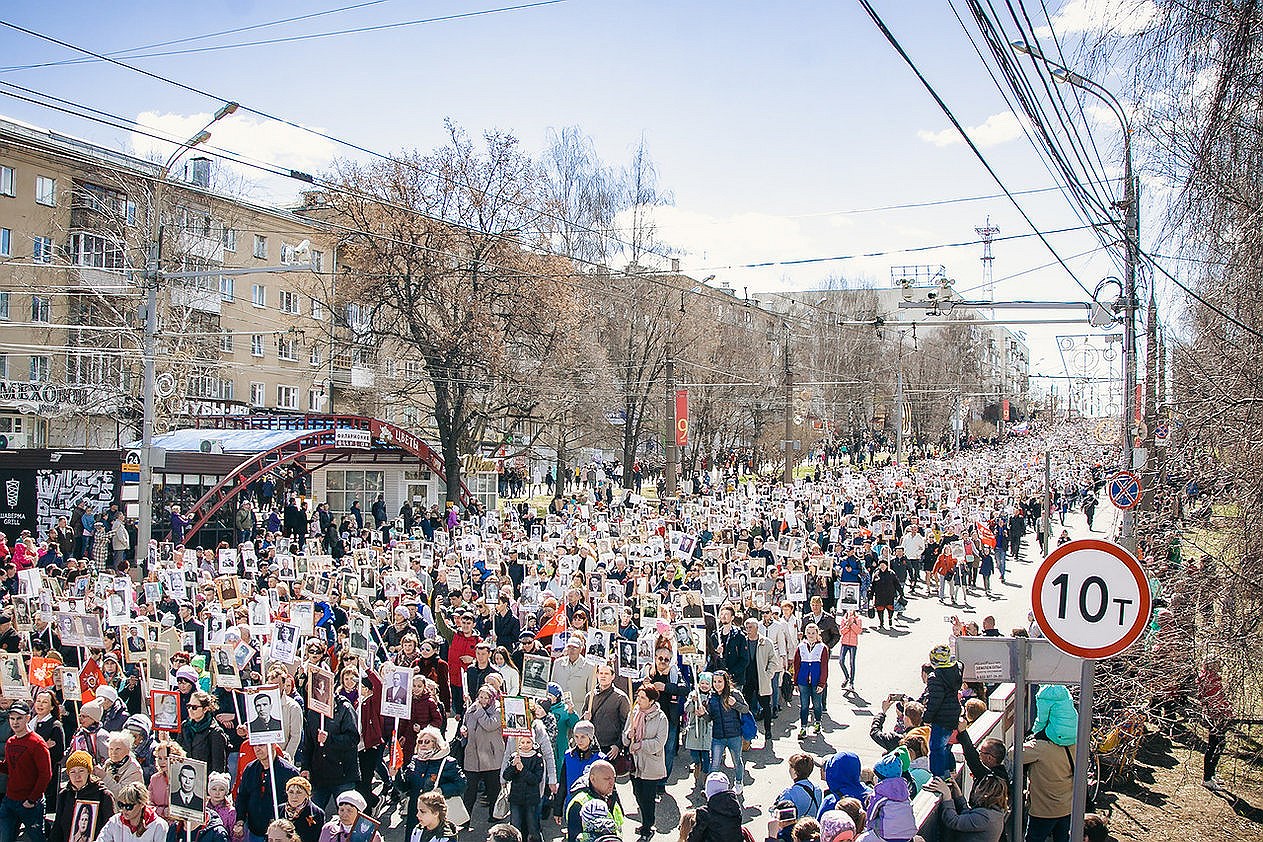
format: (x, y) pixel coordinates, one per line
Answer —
(1091, 599)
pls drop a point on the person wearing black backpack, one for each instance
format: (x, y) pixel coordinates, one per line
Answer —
(803, 794)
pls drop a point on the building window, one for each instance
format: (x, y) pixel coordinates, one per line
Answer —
(6, 239)
(6, 182)
(4, 366)
(286, 348)
(342, 488)
(317, 310)
(39, 369)
(228, 238)
(45, 190)
(4, 306)
(314, 356)
(317, 261)
(225, 342)
(260, 246)
(42, 251)
(227, 289)
(315, 400)
(256, 345)
(96, 251)
(289, 302)
(258, 295)
(287, 397)
(40, 308)
(258, 394)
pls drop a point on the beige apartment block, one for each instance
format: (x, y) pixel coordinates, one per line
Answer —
(77, 228)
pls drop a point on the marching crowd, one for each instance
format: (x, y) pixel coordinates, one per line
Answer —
(528, 670)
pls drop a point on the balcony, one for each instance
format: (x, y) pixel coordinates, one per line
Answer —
(355, 377)
(102, 280)
(196, 298)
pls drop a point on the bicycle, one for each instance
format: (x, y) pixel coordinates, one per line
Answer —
(1115, 745)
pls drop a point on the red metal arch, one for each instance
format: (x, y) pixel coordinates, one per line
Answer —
(316, 436)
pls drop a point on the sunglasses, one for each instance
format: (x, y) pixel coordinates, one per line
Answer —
(126, 805)
(193, 706)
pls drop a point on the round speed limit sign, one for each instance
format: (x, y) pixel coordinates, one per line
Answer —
(1091, 599)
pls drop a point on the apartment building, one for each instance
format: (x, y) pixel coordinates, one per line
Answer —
(76, 225)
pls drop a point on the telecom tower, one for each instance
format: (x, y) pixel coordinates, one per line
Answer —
(987, 233)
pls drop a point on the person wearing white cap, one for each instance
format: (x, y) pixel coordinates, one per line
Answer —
(113, 714)
(351, 825)
(573, 672)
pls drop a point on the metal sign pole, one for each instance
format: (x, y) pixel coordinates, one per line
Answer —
(1019, 653)
(1081, 749)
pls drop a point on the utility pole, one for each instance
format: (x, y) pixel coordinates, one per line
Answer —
(1131, 225)
(1153, 365)
(672, 452)
(152, 275)
(788, 476)
(1047, 500)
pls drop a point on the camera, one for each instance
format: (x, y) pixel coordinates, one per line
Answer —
(786, 814)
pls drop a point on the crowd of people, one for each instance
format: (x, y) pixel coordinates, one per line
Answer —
(523, 669)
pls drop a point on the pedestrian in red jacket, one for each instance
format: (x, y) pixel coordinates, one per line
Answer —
(30, 769)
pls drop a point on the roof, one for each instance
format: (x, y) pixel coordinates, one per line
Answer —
(189, 440)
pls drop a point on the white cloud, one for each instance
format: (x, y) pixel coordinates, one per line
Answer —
(996, 129)
(1119, 17)
(266, 141)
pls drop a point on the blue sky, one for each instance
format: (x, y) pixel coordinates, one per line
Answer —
(764, 118)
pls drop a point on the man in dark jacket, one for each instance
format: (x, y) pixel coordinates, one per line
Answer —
(506, 627)
(254, 794)
(942, 707)
(732, 649)
(330, 755)
(719, 819)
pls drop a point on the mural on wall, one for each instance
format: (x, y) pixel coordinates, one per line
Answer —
(58, 492)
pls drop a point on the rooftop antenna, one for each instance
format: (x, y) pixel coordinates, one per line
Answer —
(987, 233)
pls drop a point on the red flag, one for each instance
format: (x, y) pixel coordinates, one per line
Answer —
(43, 670)
(557, 625)
(90, 678)
(396, 755)
(985, 534)
(681, 417)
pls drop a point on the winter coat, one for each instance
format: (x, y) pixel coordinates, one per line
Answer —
(726, 721)
(115, 831)
(525, 784)
(575, 763)
(1055, 715)
(337, 761)
(842, 780)
(942, 697)
(649, 756)
(607, 711)
(484, 751)
(976, 824)
(115, 775)
(718, 820)
(93, 790)
(890, 810)
(209, 745)
(697, 729)
(254, 794)
(763, 662)
(211, 830)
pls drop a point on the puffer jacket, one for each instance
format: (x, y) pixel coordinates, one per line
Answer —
(718, 820)
(942, 697)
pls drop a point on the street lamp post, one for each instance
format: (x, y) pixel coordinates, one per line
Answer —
(144, 520)
(1130, 206)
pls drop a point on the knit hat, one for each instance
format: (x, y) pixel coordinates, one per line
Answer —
(186, 673)
(717, 782)
(584, 727)
(941, 656)
(139, 723)
(94, 710)
(300, 782)
(79, 760)
(836, 826)
(354, 799)
(888, 767)
(220, 778)
(554, 690)
(107, 694)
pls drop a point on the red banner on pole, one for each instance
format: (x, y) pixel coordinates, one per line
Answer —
(681, 417)
(1004, 408)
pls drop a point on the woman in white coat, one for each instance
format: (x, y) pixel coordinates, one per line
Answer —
(135, 820)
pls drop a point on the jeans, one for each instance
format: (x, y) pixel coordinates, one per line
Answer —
(1001, 559)
(673, 744)
(646, 793)
(847, 656)
(702, 758)
(717, 747)
(941, 762)
(525, 817)
(1037, 830)
(809, 697)
(14, 816)
(323, 798)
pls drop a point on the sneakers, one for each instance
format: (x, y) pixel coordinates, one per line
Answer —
(1213, 784)
(815, 730)
(737, 787)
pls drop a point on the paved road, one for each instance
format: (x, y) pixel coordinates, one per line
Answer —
(887, 661)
